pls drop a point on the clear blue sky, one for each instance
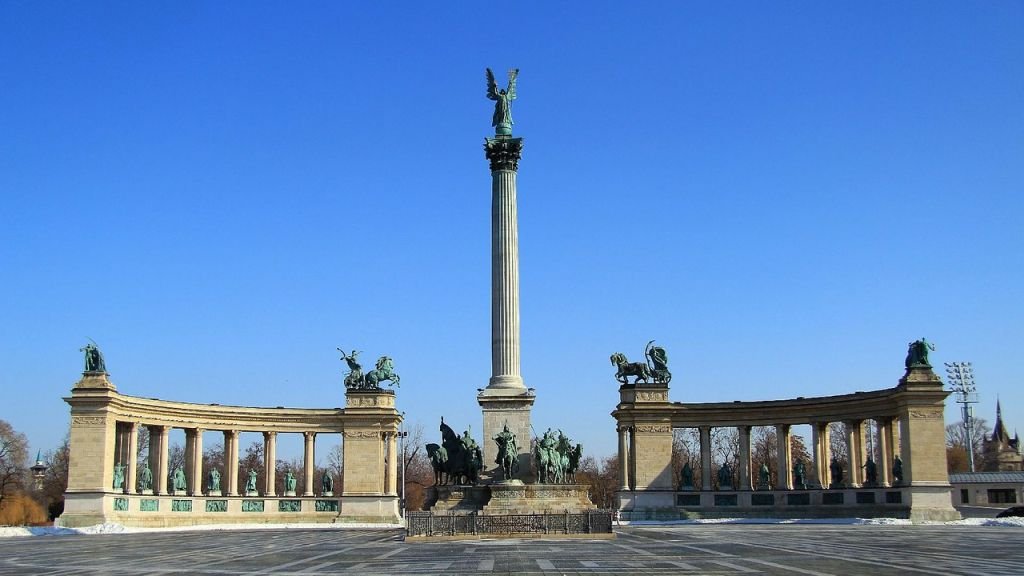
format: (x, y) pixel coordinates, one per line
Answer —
(783, 195)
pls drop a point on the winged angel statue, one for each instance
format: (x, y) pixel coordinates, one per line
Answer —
(502, 120)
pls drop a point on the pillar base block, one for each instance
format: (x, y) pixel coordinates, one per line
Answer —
(501, 407)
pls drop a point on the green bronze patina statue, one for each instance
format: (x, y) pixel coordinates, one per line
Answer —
(119, 476)
(458, 460)
(897, 471)
(250, 483)
(178, 481)
(145, 479)
(655, 369)
(327, 484)
(763, 476)
(93, 358)
(686, 477)
(836, 469)
(725, 477)
(356, 380)
(508, 453)
(799, 474)
(917, 354)
(213, 482)
(289, 482)
(502, 120)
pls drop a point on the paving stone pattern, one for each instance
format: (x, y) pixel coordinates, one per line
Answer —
(691, 549)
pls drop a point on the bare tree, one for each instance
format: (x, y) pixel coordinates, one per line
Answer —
(418, 471)
(55, 483)
(956, 444)
(602, 480)
(837, 432)
(13, 457)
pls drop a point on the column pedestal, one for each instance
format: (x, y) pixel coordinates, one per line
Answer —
(500, 407)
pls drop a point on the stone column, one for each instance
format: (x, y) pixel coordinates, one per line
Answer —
(270, 464)
(154, 454)
(190, 454)
(854, 451)
(309, 464)
(784, 481)
(160, 474)
(632, 457)
(705, 458)
(882, 440)
(623, 457)
(133, 459)
(745, 480)
(231, 462)
(196, 484)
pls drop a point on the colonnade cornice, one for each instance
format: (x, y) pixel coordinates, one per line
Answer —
(874, 405)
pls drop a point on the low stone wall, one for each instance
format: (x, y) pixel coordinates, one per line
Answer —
(148, 511)
(845, 503)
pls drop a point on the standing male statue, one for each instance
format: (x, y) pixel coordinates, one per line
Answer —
(502, 120)
(917, 353)
(93, 358)
(213, 482)
(145, 479)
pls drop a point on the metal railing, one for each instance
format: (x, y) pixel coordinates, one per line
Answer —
(429, 524)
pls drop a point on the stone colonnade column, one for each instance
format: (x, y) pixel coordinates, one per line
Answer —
(133, 458)
(882, 440)
(270, 463)
(745, 479)
(160, 474)
(855, 453)
(632, 457)
(623, 457)
(196, 480)
(705, 458)
(231, 462)
(821, 447)
(783, 456)
(309, 464)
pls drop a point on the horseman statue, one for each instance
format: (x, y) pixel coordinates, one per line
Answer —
(458, 460)
(656, 367)
(508, 453)
(556, 458)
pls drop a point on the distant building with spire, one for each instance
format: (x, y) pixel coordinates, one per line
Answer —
(1000, 452)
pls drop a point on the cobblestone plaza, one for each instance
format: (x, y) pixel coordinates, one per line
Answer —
(682, 549)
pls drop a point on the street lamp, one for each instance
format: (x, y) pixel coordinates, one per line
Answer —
(401, 438)
(961, 379)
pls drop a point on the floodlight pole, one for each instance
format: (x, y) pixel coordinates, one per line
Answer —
(961, 379)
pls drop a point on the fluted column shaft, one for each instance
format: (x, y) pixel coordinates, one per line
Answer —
(133, 458)
(505, 361)
(623, 458)
(270, 463)
(745, 480)
(309, 463)
(705, 458)
(783, 457)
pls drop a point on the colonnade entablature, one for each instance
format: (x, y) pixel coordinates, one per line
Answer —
(106, 483)
(910, 442)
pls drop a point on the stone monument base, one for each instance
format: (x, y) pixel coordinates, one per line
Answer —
(511, 497)
(454, 498)
(538, 498)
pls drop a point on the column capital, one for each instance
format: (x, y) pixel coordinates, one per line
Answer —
(269, 434)
(309, 435)
(503, 152)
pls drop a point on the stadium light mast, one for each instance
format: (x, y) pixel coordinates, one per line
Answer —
(961, 379)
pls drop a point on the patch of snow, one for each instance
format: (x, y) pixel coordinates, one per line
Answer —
(112, 528)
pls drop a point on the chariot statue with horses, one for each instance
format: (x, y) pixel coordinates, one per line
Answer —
(458, 460)
(655, 369)
(384, 371)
